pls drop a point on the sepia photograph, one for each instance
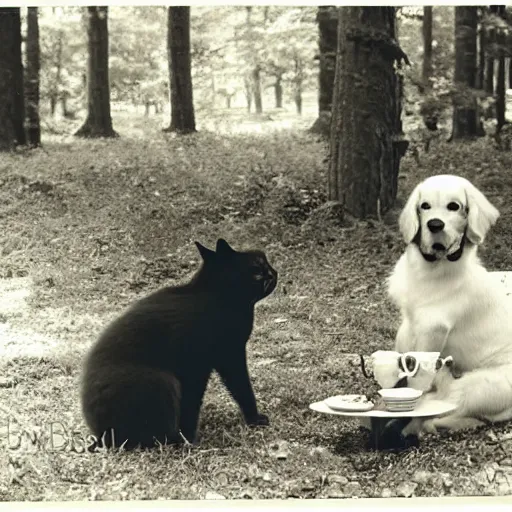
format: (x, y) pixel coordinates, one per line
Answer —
(255, 253)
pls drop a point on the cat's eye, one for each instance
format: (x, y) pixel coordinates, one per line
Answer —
(453, 206)
(257, 273)
(425, 206)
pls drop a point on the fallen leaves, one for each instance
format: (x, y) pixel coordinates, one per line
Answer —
(280, 450)
(406, 489)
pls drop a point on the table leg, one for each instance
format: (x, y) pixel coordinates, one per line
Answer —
(378, 425)
(386, 434)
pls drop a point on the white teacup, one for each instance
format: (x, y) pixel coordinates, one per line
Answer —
(386, 370)
(390, 366)
(420, 368)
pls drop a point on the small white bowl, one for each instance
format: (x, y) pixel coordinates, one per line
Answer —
(400, 394)
(400, 399)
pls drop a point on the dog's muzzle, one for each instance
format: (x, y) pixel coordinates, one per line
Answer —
(454, 256)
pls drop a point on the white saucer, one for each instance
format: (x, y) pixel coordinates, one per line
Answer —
(423, 409)
(349, 403)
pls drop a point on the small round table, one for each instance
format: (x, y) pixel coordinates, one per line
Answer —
(379, 417)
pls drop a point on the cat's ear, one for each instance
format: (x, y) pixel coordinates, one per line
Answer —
(223, 248)
(206, 254)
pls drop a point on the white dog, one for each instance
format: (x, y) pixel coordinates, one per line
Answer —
(449, 302)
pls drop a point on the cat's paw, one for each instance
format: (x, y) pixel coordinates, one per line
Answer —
(261, 420)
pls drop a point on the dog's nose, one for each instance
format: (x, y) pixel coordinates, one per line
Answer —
(435, 225)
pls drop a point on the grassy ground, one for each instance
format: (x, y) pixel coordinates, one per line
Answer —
(88, 226)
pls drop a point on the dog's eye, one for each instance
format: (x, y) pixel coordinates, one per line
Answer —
(425, 206)
(453, 206)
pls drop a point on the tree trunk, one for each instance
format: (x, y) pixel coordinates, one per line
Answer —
(64, 104)
(32, 78)
(248, 94)
(500, 94)
(256, 89)
(489, 60)
(278, 89)
(427, 45)
(180, 73)
(500, 79)
(465, 108)
(54, 94)
(489, 76)
(327, 19)
(481, 59)
(99, 120)
(297, 97)
(53, 104)
(366, 139)
(298, 80)
(12, 108)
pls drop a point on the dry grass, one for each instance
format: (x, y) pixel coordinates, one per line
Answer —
(88, 226)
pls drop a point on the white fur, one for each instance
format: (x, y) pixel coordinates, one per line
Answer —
(454, 307)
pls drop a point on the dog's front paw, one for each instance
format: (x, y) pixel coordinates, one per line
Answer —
(429, 427)
(261, 420)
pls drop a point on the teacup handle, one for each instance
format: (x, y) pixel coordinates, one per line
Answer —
(363, 368)
(406, 372)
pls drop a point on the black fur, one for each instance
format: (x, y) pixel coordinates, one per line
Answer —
(145, 377)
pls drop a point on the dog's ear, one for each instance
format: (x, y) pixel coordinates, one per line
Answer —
(481, 214)
(408, 221)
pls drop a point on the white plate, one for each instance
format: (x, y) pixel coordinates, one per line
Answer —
(352, 403)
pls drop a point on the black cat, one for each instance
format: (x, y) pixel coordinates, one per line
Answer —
(145, 377)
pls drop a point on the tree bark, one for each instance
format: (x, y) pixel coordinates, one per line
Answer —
(366, 139)
(278, 90)
(248, 94)
(489, 61)
(180, 72)
(427, 45)
(500, 94)
(297, 97)
(500, 79)
(481, 59)
(298, 79)
(99, 120)
(489, 76)
(465, 121)
(256, 89)
(12, 108)
(32, 78)
(327, 19)
(54, 92)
